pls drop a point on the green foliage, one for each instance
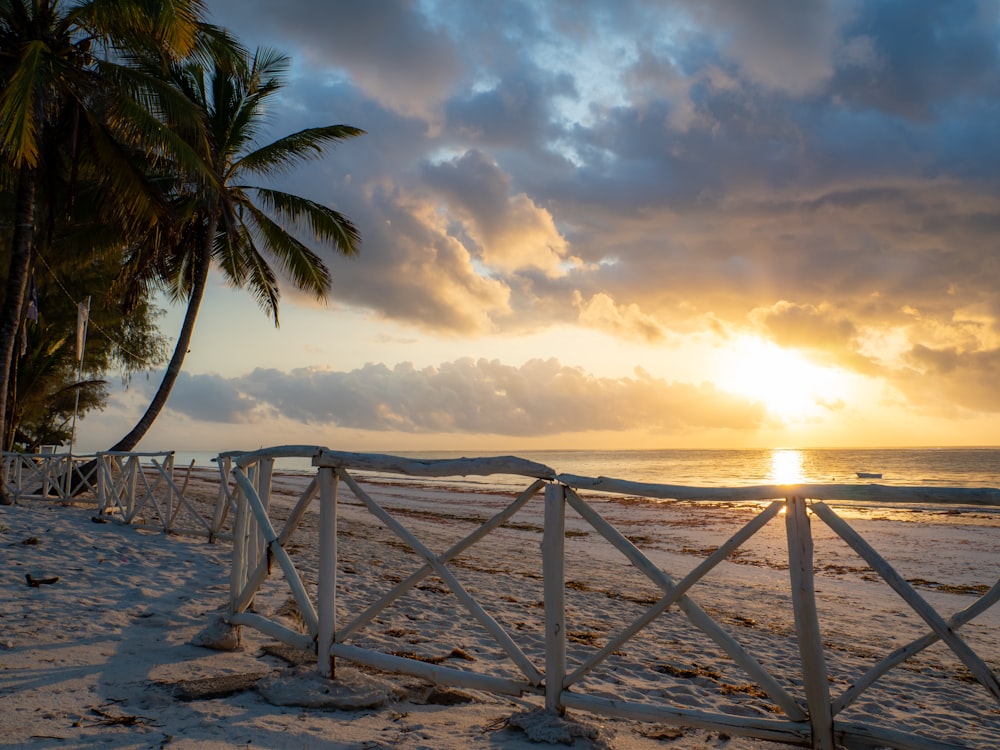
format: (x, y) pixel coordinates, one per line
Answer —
(129, 165)
(43, 396)
(256, 245)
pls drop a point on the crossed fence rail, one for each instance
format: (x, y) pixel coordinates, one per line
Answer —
(45, 475)
(140, 489)
(810, 715)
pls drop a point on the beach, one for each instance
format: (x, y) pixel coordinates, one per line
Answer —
(103, 656)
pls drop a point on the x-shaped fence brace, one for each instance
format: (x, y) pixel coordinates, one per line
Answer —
(44, 475)
(257, 545)
(124, 488)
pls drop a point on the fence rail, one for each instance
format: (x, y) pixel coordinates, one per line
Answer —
(807, 715)
(809, 708)
(46, 475)
(139, 489)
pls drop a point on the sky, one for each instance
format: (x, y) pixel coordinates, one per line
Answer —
(620, 224)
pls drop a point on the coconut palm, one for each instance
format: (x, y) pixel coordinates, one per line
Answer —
(57, 63)
(228, 218)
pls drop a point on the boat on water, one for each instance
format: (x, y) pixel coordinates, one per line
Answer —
(869, 475)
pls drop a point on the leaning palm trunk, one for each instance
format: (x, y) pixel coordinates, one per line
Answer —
(88, 471)
(173, 370)
(10, 314)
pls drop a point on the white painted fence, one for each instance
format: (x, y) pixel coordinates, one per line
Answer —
(140, 489)
(43, 475)
(807, 716)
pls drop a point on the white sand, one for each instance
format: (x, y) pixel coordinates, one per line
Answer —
(98, 658)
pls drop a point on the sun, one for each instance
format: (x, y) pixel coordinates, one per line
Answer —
(790, 386)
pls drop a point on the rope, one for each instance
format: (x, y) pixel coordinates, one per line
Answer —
(90, 321)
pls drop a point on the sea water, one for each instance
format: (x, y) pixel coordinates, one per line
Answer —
(922, 467)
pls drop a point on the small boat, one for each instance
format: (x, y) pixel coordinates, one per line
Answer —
(868, 475)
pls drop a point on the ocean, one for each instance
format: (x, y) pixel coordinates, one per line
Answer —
(923, 467)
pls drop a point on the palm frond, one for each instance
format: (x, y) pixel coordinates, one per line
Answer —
(286, 153)
(215, 45)
(19, 115)
(166, 114)
(326, 224)
(303, 267)
(246, 268)
(169, 27)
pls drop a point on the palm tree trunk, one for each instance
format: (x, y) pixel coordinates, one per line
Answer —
(10, 314)
(88, 471)
(173, 370)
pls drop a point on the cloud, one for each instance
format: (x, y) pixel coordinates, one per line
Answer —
(950, 380)
(412, 268)
(466, 396)
(402, 59)
(788, 47)
(210, 398)
(624, 321)
(824, 172)
(510, 231)
(820, 330)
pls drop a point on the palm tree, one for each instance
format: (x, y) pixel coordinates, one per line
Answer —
(245, 229)
(57, 60)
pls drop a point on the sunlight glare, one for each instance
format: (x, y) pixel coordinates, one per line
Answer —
(792, 388)
(786, 466)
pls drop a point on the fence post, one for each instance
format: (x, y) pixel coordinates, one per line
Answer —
(327, 575)
(800, 568)
(262, 481)
(553, 574)
(166, 469)
(239, 574)
(102, 485)
(225, 464)
(132, 479)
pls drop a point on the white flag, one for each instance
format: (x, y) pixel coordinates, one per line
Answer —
(82, 316)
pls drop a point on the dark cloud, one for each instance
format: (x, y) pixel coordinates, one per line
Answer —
(210, 398)
(927, 57)
(951, 381)
(401, 58)
(832, 163)
(542, 397)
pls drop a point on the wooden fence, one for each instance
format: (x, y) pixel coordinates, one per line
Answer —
(808, 714)
(139, 489)
(44, 475)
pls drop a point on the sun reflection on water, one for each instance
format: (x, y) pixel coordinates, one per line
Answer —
(786, 466)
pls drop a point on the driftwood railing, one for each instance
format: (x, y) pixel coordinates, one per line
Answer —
(139, 489)
(45, 475)
(807, 716)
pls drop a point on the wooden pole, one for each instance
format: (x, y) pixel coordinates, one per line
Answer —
(238, 571)
(800, 568)
(82, 320)
(102, 484)
(327, 594)
(554, 577)
(224, 500)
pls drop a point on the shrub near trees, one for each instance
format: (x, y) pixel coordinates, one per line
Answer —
(127, 139)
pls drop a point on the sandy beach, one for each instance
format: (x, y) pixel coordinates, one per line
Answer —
(102, 657)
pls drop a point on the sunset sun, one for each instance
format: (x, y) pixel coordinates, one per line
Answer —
(792, 388)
